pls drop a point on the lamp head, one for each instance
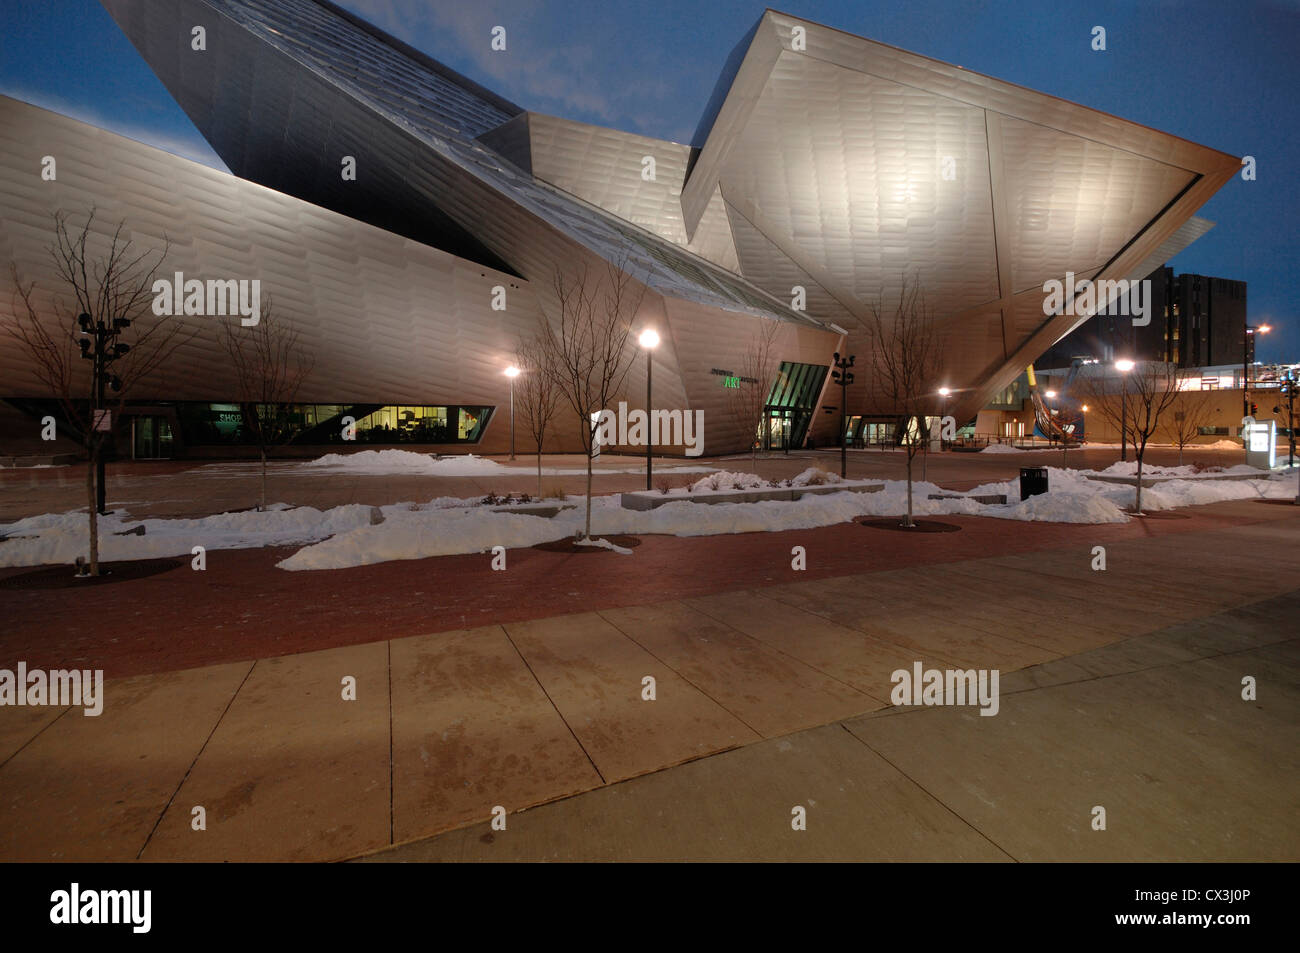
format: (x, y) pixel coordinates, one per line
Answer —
(649, 338)
(512, 371)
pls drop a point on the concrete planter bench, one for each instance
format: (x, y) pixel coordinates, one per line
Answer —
(988, 499)
(548, 510)
(49, 460)
(649, 500)
(1149, 481)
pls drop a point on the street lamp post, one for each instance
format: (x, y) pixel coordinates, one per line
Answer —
(1245, 364)
(1059, 423)
(99, 345)
(512, 372)
(1123, 366)
(1290, 417)
(844, 378)
(944, 393)
(649, 340)
(1288, 391)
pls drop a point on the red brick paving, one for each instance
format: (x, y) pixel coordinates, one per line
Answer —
(242, 607)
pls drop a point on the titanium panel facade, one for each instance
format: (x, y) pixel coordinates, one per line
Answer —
(825, 160)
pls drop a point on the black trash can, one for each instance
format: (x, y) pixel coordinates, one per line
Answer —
(1033, 481)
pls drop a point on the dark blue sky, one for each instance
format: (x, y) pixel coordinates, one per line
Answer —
(1223, 74)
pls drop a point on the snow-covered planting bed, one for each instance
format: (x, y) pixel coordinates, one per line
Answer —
(728, 487)
(408, 462)
(357, 535)
(1125, 472)
(1008, 448)
(545, 508)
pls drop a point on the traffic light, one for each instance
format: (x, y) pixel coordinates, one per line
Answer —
(1254, 408)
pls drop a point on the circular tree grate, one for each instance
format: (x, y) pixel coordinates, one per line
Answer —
(65, 577)
(919, 526)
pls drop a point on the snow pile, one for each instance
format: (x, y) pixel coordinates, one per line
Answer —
(604, 544)
(1128, 468)
(407, 534)
(725, 480)
(405, 461)
(416, 534)
(1008, 448)
(61, 538)
(345, 535)
(816, 476)
(1075, 496)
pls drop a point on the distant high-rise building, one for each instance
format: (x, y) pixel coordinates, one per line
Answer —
(1195, 321)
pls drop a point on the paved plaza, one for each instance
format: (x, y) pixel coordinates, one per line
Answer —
(525, 690)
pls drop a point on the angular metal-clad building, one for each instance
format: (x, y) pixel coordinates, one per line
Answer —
(825, 161)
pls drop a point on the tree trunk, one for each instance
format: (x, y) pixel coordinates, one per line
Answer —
(539, 471)
(908, 522)
(1138, 507)
(93, 507)
(262, 507)
(587, 533)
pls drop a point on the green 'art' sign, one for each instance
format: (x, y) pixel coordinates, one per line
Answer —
(731, 382)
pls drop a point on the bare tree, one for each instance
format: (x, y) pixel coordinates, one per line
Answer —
(1067, 417)
(111, 319)
(1184, 425)
(1152, 390)
(270, 365)
(587, 348)
(906, 357)
(537, 393)
(748, 399)
(1105, 405)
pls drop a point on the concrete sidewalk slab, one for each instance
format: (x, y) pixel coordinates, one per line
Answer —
(770, 692)
(1185, 769)
(93, 788)
(734, 806)
(19, 725)
(836, 650)
(904, 612)
(473, 729)
(593, 674)
(293, 772)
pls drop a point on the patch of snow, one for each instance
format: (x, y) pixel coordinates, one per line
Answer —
(61, 538)
(398, 462)
(604, 544)
(405, 461)
(346, 536)
(1007, 448)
